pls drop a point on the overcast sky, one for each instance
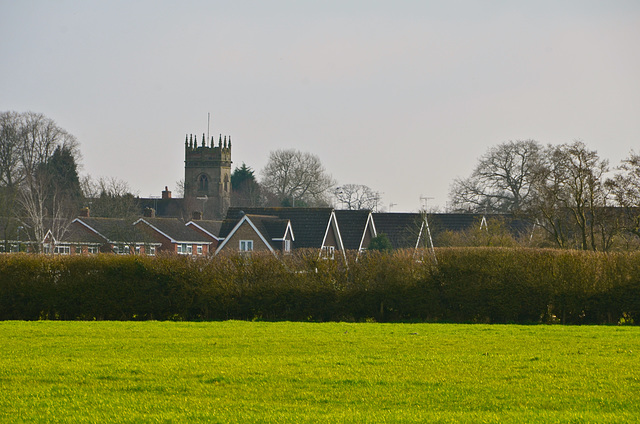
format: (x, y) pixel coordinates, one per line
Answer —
(402, 96)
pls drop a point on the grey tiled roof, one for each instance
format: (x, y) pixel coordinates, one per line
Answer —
(309, 225)
(402, 229)
(175, 229)
(113, 229)
(352, 224)
(211, 227)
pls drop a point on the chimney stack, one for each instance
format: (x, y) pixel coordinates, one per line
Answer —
(149, 213)
(166, 194)
(196, 215)
(84, 212)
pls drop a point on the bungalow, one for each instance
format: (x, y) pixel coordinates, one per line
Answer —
(74, 241)
(116, 235)
(174, 236)
(404, 230)
(314, 228)
(14, 236)
(208, 228)
(256, 233)
(356, 228)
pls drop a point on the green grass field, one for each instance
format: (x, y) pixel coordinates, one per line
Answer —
(256, 372)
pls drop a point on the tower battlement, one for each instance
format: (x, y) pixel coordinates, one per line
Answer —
(211, 151)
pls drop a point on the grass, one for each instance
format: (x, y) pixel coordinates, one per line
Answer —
(243, 372)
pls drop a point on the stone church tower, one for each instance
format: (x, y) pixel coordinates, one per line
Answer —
(207, 174)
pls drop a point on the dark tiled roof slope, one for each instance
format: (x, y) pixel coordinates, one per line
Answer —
(212, 227)
(402, 229)
(309, 225)
(177, 230)
(352, 224)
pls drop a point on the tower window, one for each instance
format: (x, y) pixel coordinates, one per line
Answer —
(203, 183)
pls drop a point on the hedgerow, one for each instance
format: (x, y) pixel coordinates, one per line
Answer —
(489, 285)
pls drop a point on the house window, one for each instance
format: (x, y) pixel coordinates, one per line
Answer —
(287, 245)
(185, 249)
(122, 249)
(137, 249)
(92, 249)
(152, 251)
(199, 249)
(62, 250)
(328, 252)
(246, 245)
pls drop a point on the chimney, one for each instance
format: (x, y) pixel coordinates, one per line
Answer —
(166, 194)
(149, 213)
(84, 213)
(196, 215)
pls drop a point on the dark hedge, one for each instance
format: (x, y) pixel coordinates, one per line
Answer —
(489, 285)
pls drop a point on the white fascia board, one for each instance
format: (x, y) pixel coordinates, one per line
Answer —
(420, 234)
(366, 227)
(288, 230)
(52, 237)
(91, 228)
(208, 232)
(333, 222)
(171, 239)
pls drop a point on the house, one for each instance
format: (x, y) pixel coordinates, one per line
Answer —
(14, 236)
(403, 229)
(208, 228)
(172, 235)
(75, 241)
(116, 235)
(314, 228)
(256, 233)
(356, 228)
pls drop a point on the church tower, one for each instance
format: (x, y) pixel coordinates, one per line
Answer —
(207, 174)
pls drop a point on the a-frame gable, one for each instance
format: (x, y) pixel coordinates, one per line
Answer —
(244, 220)
(370, 227)
(332, 226)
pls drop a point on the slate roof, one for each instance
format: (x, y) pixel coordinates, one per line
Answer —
(271, 228)
(210, 227)
(352, 225)
(453, 221)
(175, 229)
(402, 228)
(309, 225)
(76, 234)
(112, 229)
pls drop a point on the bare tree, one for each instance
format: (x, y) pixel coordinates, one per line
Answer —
(501, 181)
(38, 164)
(296, 177)
(357, 197)
(110, 197)
(625, 190)
(571, 196)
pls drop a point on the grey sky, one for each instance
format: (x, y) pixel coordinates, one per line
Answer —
(402, 96)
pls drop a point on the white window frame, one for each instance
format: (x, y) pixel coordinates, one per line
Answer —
(328, 252)
(199, 249)
(62, 250)
(245, 246)
(92, 250)
(287, 246)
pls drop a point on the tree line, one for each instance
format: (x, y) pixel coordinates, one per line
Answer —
(567, 190)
